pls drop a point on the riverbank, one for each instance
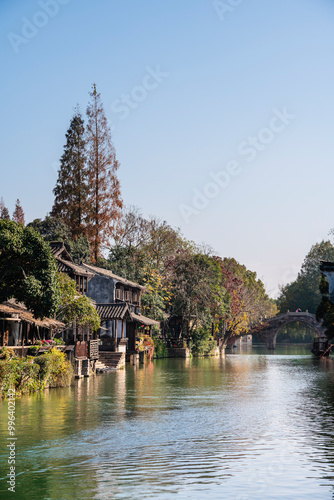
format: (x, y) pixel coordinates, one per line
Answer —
(33, 373)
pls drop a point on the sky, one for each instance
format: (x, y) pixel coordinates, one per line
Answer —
(221, 114)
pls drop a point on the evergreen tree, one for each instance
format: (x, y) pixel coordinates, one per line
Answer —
(18, 214)
(105, 202)
(4, 213)
(71, 189)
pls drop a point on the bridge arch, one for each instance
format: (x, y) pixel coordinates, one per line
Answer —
(269, 328)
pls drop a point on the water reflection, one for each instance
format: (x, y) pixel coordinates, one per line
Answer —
(241, 426)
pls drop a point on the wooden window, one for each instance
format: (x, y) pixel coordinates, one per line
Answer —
(118, 294)
(128, 296)
(135, 297)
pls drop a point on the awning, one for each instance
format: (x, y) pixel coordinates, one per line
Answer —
(144, 320)
(122, 311)
(113, 311)
(18, 312)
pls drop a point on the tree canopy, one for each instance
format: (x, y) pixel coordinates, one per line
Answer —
(28, 270)
(74, 306)
(209, 294)
(55, 229)
(304, 293)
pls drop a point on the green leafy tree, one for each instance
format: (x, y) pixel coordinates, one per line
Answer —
(55, 229)
(79, 248)
(246, 301)
(157, 297)
(325, 310)
(304, 293)
(51, 229)
(28, 270)
(74, 306)
(196, 291)
(4, 213)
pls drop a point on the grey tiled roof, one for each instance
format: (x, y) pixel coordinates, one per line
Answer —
(67, 266)
(113, 311)
(144, 320)
(110, 274)
(122, 311)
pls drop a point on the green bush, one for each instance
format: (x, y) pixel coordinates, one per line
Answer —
(31, 374)
(59, 341)
(20, 374)
(202, 343)
(7, 353)
(55, 369)
(160, 348)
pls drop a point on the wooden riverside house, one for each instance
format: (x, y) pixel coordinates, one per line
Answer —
(117, 301)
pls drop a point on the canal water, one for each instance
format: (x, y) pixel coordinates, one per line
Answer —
(249, 426)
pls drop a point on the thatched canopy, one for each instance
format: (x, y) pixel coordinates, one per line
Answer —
(12, 310)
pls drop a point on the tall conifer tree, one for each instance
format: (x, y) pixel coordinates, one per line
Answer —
(4, 213)
(72, 185)
(18, 214)
(105, 201)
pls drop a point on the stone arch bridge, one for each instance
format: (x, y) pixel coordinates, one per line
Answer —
(269, 328)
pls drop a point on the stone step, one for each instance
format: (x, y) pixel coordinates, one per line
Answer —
(112, 359)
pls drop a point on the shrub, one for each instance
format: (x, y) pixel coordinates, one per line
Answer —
(20, 374)
(58, 341)
(160, 348)
(7, 353)
(202, 343)
(31, 374)
(55, 368)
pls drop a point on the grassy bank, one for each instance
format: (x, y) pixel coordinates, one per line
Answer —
(33, 373)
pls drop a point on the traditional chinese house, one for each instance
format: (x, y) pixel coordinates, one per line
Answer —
(118, 303)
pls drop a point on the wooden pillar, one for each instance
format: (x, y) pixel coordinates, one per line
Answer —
(74, 331)
(122, 328)
(20, 333)
(21, 337)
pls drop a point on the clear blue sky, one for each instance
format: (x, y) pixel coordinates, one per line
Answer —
(221, 77)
